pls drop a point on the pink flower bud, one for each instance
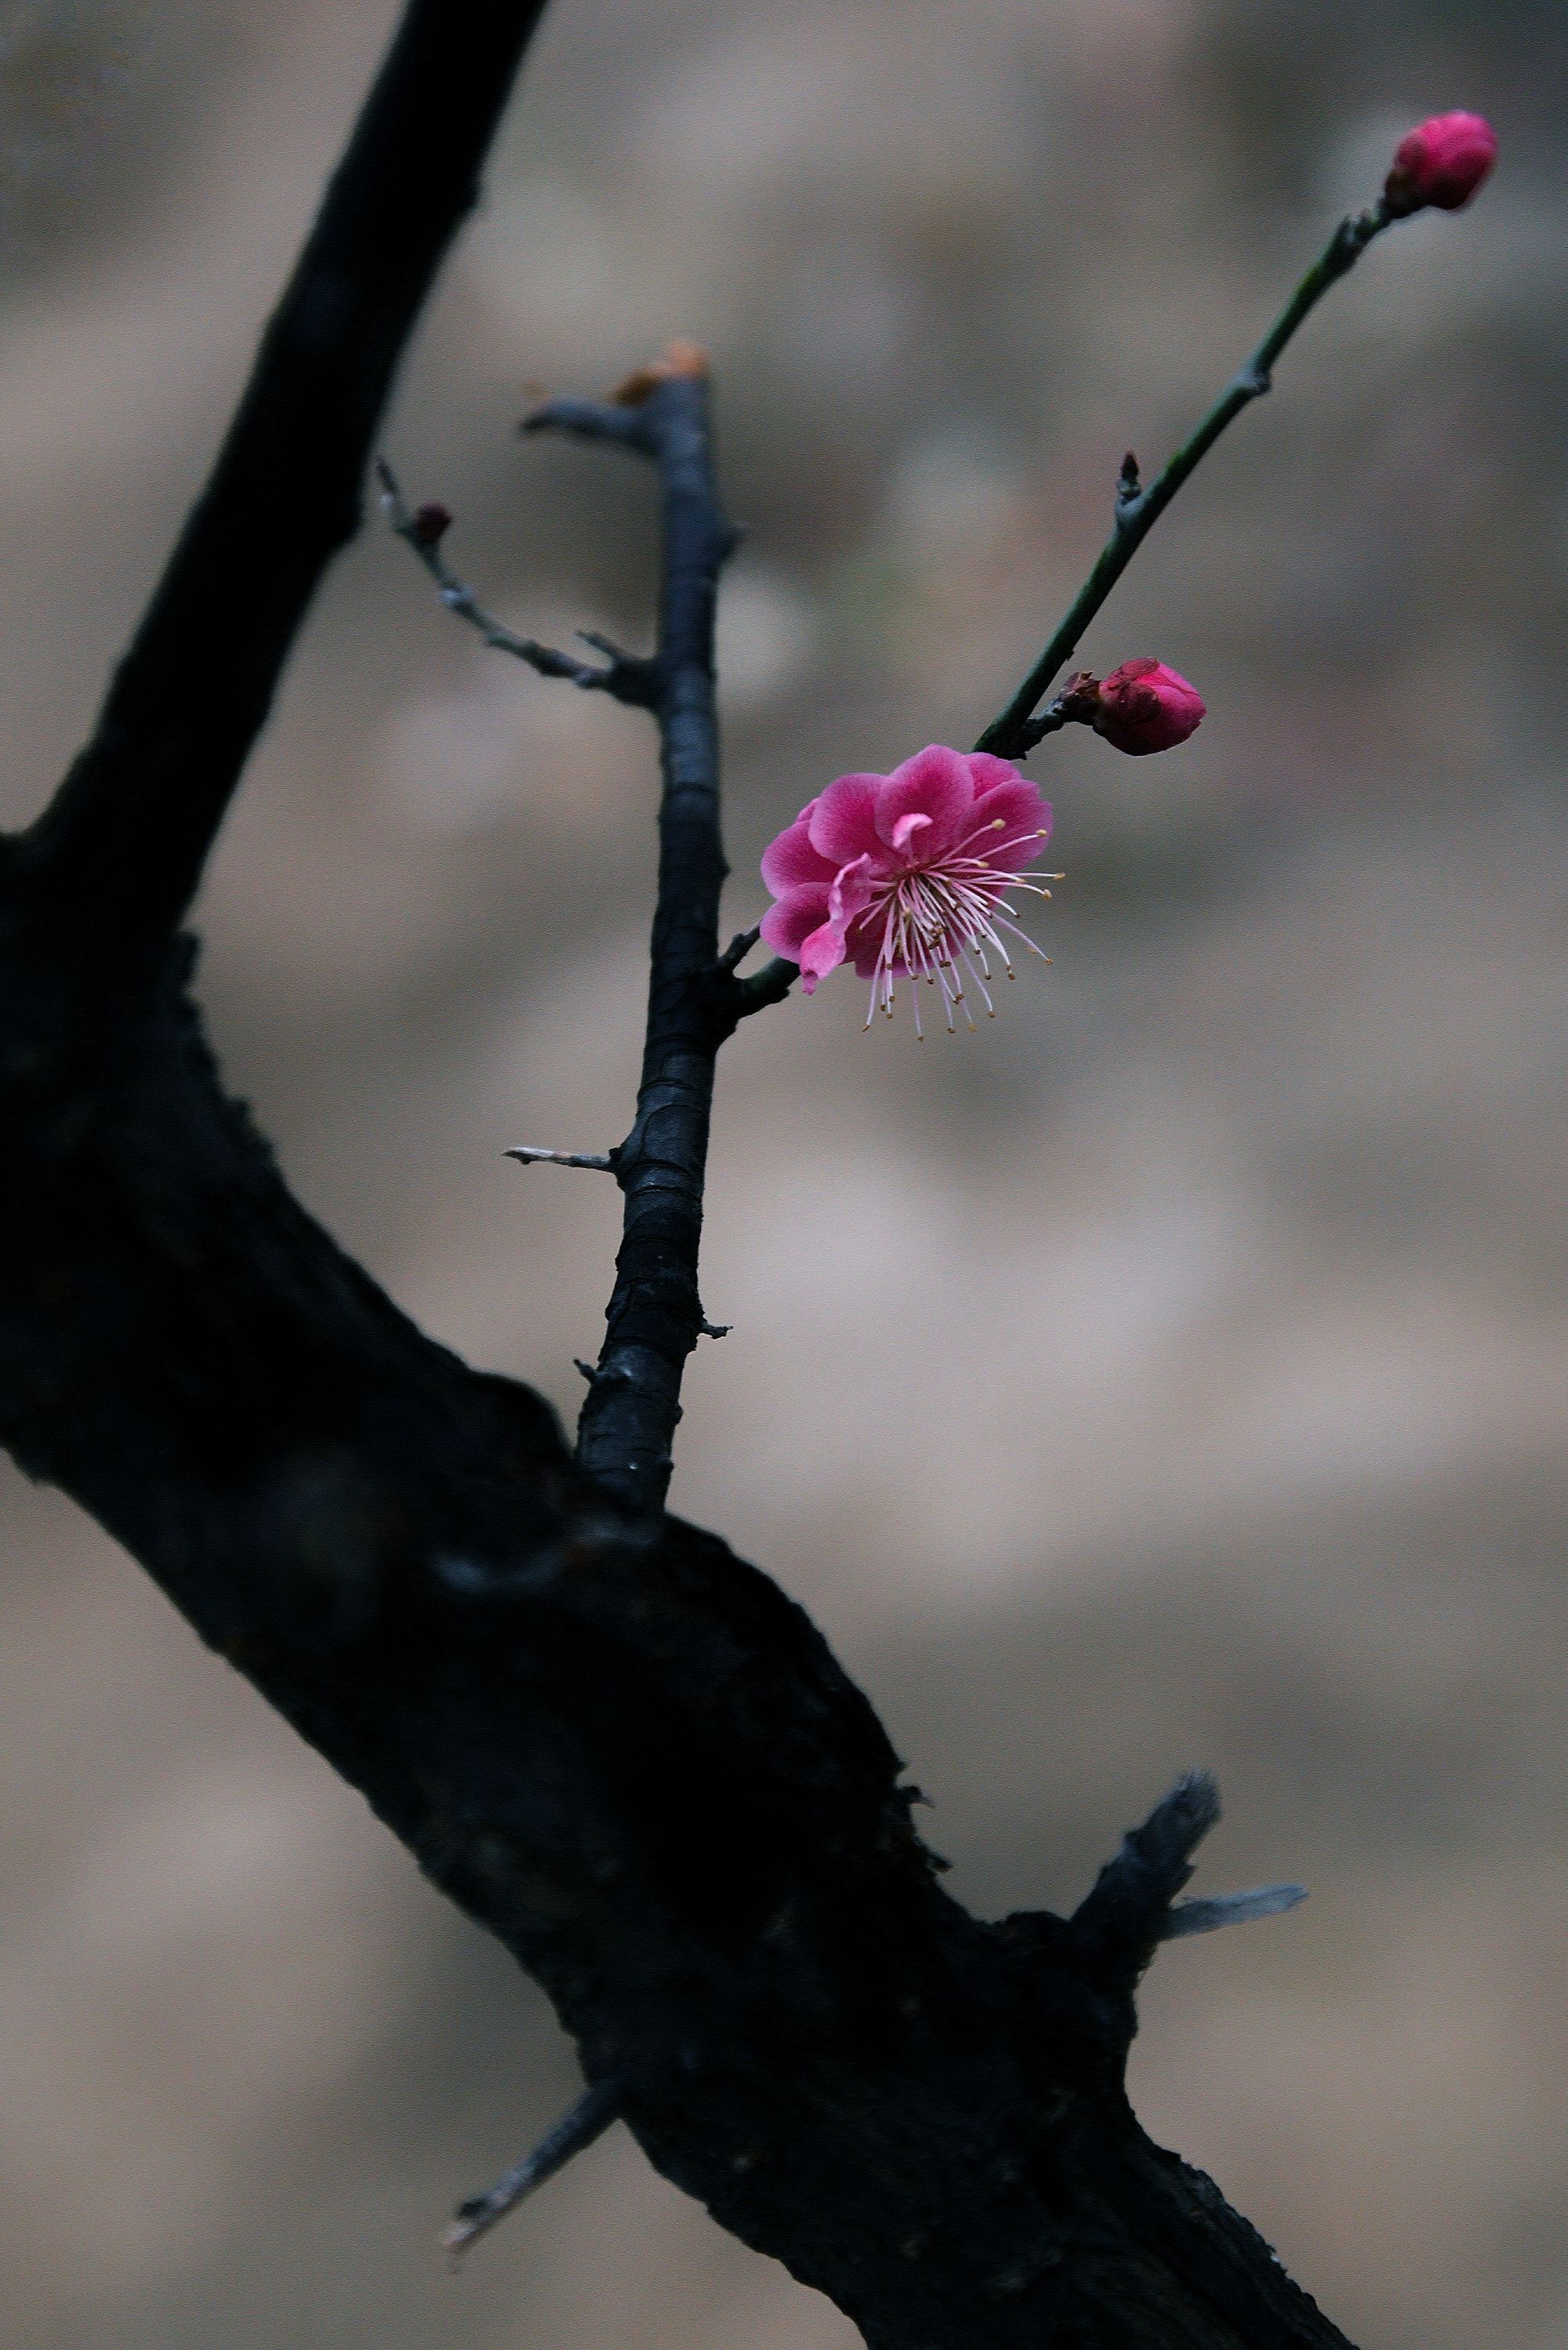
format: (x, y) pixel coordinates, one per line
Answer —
(1441, 162)
(430, 525)
(1144, 706)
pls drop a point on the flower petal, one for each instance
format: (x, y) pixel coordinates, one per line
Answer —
(791, 860)
(1011, 824)
(843, 824)
(934, 783)
(799, 913)
(821, 952)
(850, 893)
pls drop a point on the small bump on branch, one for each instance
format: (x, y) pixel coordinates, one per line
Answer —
(1128, 486)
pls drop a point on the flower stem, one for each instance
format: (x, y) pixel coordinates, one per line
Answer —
(1013, 733)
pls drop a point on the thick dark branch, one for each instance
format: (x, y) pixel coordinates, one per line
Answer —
(123, 844)
(1015, 733)
(613, 1743)
(616, 1745)
(655, 1314)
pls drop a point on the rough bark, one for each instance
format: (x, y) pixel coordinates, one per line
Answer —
(612, 1742)
(655, 1314)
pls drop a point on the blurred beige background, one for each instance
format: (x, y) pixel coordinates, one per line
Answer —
(1172, 1373)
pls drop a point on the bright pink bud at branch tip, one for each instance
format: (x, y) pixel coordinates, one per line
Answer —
(1441, 162)
(911, 876)
(1144, 706)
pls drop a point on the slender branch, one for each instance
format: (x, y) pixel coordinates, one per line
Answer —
(1138, 509)
(588, 2121)
(121, 850)
(531, 1155)
(626, 678)
(1205, 1916)
(655, 1314)
(605, 424)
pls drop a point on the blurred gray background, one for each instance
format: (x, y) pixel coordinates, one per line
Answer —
(1172, 1373)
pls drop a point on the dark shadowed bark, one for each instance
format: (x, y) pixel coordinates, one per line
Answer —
(655, 1314)
(611, 1741)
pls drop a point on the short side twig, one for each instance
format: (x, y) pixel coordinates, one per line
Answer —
(738, 947)
(624, 677)
(588, 2119)
(1133, 1904)
(607, 423)
(532, 1155)
(761, 988)
(735, 999)
(1115, 1926)
(1230, 1909)
(1011, 736)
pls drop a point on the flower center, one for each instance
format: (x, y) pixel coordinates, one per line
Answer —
(942, 918)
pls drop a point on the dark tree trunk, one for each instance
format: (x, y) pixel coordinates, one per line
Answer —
(612, 1742)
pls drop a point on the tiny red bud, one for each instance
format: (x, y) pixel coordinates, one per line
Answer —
(1441, 162)
(1144, 706)
(430, 525)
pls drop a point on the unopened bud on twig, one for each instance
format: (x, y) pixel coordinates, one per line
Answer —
(1442, 162)
(428, 525)
(1142, 706)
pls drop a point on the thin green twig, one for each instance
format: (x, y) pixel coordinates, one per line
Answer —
(1016, 731)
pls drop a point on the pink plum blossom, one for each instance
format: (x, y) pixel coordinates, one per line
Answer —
(910, 874)
(1442, 162)
(1144, 706)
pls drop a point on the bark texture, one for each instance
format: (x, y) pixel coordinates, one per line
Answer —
(615, 1744)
